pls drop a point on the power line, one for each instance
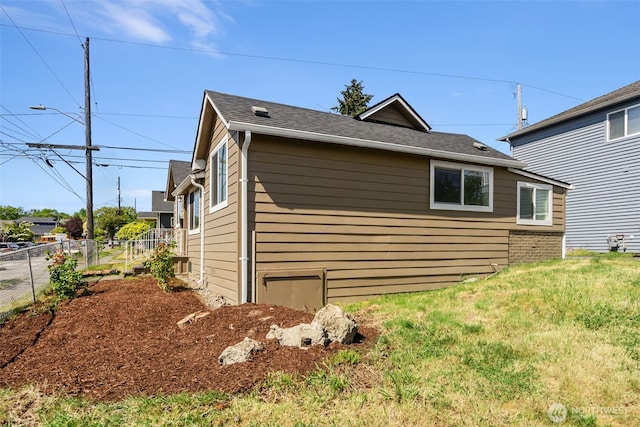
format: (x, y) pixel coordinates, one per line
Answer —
(148, 149)
(39, 56)
(75, 30)
(157, 150)
(312, 62)
(152, 116)
(133, 132)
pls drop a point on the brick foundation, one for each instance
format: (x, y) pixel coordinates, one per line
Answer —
(527, 246)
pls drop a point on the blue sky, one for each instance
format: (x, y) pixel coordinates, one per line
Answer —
(457, 63)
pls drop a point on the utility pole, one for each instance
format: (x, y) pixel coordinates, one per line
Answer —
(118, 195)
(87, 126)
(519, 95)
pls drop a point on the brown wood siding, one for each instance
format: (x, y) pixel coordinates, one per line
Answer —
(364, 216)
(389, 115)
(221, 226)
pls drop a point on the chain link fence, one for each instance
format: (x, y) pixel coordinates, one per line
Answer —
(24, 273)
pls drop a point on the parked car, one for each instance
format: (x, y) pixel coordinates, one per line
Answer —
(24, 245)
(8, 246)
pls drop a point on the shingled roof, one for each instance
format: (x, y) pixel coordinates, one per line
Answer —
(618, 96)
(158, 202)
(271, 118)
(177, 172)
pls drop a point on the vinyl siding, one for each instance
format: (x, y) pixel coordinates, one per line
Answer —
(363, 215)
(606, 198)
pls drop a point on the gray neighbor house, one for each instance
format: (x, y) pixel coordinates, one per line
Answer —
(596, 147)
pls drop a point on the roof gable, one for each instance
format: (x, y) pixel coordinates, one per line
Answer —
(178, 172)
(394, 111)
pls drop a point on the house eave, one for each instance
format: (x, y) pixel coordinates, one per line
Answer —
(542, 178)
(186, 184)
(365, 143)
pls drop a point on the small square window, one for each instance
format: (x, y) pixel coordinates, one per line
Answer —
(534, 204)
(624, 122)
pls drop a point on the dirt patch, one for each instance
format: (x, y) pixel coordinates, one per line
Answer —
(121, 338)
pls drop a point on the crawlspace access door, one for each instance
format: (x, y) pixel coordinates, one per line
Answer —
(299, 289)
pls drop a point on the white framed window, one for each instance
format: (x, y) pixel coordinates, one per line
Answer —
(535, 204)
(623, 123)
(194, 211)
(455, 186)
(218, 177)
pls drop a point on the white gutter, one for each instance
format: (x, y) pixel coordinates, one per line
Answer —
(201, 187)
(244, 224)
(542, 178)
(365, 143)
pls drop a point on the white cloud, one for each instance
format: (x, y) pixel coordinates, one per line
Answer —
(130, 19)
(196, 22)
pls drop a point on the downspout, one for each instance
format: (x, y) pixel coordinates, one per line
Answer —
(244, 225)
(201, 187)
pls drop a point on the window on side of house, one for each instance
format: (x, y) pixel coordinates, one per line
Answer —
(194, 211)
(461, 187)
(535, 206)
(623, 123)
(218, 178)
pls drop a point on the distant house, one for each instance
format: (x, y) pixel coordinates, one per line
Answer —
(41, 226)
(161, 215)
(596, 147)
(297, 207)
(178, 172)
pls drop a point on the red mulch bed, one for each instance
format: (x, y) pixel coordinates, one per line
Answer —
(121, 339)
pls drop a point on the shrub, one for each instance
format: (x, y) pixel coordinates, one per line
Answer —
(161, 265)
(63, 277)
(133, 230)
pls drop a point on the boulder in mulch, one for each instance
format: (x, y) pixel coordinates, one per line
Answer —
(329, 324)
(240, 352)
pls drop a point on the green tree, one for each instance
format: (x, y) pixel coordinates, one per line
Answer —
(47, 213)
(58, 230)
(82, 213)
(111, 219)
(353, 101)
(14, 232)
(10, 212)
(74, 227)
(133, 230)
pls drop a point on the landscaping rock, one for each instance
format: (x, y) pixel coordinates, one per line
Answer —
(240, 352)
(302, 335)
(338, 325)
(329, 324)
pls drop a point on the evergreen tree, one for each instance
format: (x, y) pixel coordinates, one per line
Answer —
(353, 101)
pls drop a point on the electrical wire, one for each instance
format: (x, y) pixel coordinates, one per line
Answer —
(134, 133)
(38, 55)
(147, 149)
(312, 62)
(29, 128)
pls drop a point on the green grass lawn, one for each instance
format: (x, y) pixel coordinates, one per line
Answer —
(559, 338)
